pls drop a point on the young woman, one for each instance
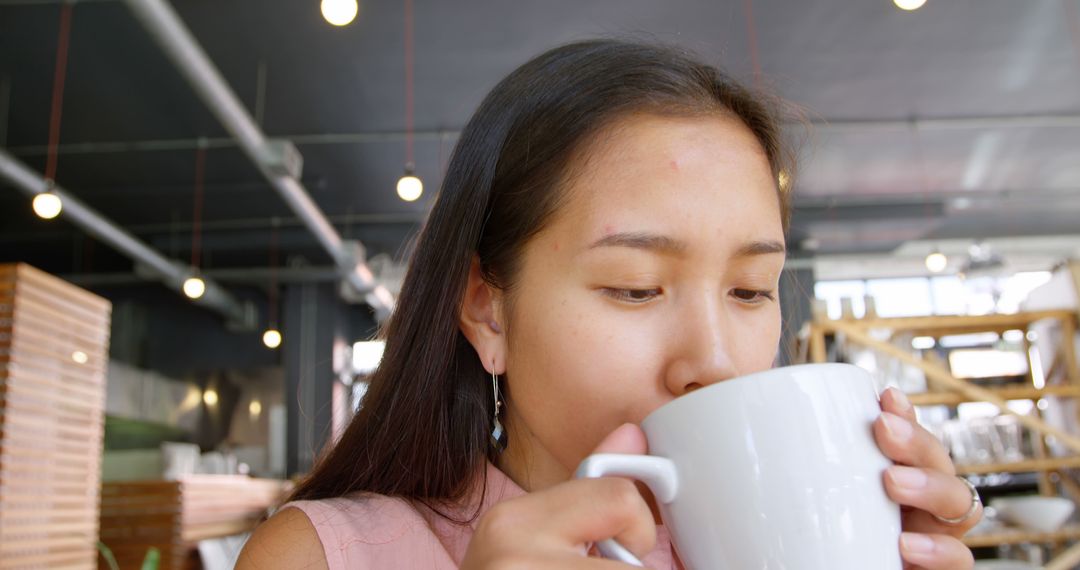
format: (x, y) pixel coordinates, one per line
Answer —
(609, 237)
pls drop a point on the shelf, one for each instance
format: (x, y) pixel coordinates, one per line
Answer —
(1017, 536)
(1019, 466)
(945, 325)
(954, 398)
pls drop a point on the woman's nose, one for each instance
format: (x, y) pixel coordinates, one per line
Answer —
(702, 350)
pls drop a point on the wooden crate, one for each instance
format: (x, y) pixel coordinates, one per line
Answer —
(173, 516)
(54, 342)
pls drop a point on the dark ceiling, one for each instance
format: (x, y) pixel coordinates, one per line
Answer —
(911, 113)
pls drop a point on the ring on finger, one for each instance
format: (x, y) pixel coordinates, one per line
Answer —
(976, 502)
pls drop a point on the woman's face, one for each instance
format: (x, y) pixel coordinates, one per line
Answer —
(658, 275)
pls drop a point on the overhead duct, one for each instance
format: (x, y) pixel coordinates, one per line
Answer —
(278, 161)
(148, 260)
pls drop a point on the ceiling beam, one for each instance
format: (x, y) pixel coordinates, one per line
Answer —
(173, 273)
(169, 31)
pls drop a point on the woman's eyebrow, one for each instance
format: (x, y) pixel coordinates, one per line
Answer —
(760, 248)
(671, 246)
(642, 240)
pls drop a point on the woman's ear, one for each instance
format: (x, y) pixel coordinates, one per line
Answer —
(480, 320)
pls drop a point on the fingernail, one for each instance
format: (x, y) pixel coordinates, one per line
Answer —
(908, 477)
(901, 399)
(899, 428)
(916, 543)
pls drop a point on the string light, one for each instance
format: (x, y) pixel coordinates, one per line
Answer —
(210, 397)
(47, 205)
(409, 187)
(272, 338)
(80, 357)
(194, 287)
(909, 5)
(339, 12)
(936, 262)
(254, 409)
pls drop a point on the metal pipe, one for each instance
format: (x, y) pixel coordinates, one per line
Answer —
(173, 273)
(246, 275)
(166, 27)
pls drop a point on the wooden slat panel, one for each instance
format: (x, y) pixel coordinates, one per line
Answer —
(19, 371)
(43, 542)
(30, 274)
(34, 315)
(46, 393)
(51, 419)
(59, 509)
(58, 352)
(20, 298)
(91, 334)
(24, 321)
(38, 455)
(48, 363)
(18, 404)
(15, 436)
(27, 528)
(64, 297)
(82, 557)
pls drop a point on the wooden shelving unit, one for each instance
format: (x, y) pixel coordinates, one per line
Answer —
(173, 516)
(953, 398)
(1019, 536)
(946, 389)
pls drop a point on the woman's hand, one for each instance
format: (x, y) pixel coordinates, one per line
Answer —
(552, 528)
(924, 482)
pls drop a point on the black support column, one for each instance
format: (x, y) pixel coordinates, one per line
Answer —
(312, 322)
(796, 302)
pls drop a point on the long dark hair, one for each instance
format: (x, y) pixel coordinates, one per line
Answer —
(423, 429)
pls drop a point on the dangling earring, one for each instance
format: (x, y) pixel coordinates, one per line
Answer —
(498, 434)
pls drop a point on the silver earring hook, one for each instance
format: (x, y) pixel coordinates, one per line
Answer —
(498, 434)
(495, 391)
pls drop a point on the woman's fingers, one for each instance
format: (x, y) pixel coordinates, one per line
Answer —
(895, 402)
(934, 493)
(935, 552)
(591, 510)
(906, 442)
(559, 522)
(554, 527)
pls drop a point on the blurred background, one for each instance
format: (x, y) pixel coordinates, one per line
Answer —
(232, 186)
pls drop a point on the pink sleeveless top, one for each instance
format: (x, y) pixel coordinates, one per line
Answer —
(375, 531)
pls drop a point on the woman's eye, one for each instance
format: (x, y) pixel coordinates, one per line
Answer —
(753, 295)
(632, 295)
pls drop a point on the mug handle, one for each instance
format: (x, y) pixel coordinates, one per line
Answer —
(658, 473)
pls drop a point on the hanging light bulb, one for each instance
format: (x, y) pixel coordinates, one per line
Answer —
(210, 397)
(909, 5)
(339, 12)
(272, 338)
(47, 205)
(194, 287)
(936, 262)
(409, 187)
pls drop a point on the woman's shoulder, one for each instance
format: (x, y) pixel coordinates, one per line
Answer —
(286, 540)
(332, 533)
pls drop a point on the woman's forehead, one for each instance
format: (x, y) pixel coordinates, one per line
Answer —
(654, 174)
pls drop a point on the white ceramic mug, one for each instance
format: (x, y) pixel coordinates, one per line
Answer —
(777, 470)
